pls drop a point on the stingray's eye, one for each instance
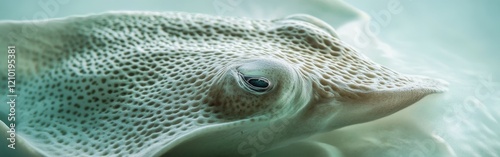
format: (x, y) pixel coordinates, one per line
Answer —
(255, 83)
(259, 84)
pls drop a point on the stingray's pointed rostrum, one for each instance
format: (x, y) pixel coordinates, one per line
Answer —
(181, 84)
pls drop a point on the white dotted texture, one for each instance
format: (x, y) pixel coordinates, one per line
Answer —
(117, 84)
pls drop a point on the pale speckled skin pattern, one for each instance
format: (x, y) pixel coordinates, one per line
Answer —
(146, 84)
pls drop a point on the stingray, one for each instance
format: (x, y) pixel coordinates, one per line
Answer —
(185, 84)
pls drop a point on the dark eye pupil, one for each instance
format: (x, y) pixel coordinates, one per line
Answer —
(258, 83)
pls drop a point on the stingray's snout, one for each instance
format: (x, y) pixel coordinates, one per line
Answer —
(357, 105)
(433, 85)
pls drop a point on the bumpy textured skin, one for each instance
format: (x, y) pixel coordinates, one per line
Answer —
(134, 83)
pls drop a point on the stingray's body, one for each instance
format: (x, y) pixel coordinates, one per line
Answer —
(152, 84)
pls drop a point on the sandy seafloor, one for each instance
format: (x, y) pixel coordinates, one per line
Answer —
(457, 41)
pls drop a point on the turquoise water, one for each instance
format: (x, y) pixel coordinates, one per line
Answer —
(454, 41)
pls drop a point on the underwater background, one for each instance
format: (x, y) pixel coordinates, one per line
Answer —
(454, 40)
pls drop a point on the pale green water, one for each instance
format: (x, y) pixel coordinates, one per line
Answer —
(454, 41)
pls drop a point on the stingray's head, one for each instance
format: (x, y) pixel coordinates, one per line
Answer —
(346, 87)
(308, 77)
(316, 79)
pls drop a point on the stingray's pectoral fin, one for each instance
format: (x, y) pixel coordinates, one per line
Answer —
(12, 144)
